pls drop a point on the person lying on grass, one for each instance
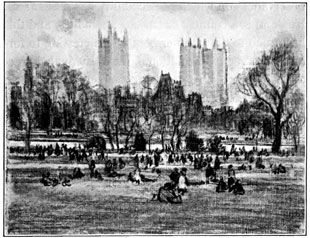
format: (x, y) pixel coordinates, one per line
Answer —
(109, 170)
(277, 169)
(138, 178)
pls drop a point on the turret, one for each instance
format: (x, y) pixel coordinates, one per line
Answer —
(198, 43)
(190, 42)
(215, 45)
(204, 43)
(125, 39)
(115, 34)
(182, 43)
(100, 38)
(224, 45)
(28, 83)
(109, 31)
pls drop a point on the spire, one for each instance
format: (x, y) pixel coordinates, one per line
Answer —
(198, 43)
(204, 43)
(109, 30)
(125, 36)
(99, 37)
(215, 46)
(182, 43)
(190, 42)
(115, 34)
(224, 45)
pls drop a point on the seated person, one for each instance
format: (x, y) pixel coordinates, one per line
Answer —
(259, 163)
(167, 194)
(221, 186)
(281, 168)
(237, 188)
(97, 175)
(65, 181)
(46, 180)
(77, 173)
(231, 176)
(209, 173)
(121, 163)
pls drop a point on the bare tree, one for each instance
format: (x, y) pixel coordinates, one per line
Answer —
(272, 78)
(148, 125)
(296, 122)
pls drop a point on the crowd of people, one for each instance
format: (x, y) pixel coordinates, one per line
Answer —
(173, 190)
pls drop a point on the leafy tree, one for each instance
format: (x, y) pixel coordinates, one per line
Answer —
(28, 101)
(214, 143)
(193, 142)
(140, 142)
(15, 112)
(270, 81)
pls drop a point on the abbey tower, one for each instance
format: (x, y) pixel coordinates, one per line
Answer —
(204, 71)
(113, 59)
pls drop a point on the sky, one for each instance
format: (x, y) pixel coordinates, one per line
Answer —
(68, 33)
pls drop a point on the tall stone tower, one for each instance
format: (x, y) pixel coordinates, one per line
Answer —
(113, 56)
(204, 71)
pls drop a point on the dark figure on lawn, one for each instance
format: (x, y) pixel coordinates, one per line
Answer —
(92, 166)
(121, 163)
(167, 194)
(182, 182)
(46, 180)
(136, 161)
(217, 163)
(77, 173)
(210, 174)
(237, 188)
(97, 175)
(41, 156)
(231, 176)
(137, 177)
(259, 163)
(221, 186)
(278, 169)
(174, 177)
(64, 179)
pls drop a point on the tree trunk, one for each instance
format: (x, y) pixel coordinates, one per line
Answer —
(27, 136)
(110, 140)
(162, 140)
(117, 137)
(278, 134)
(149, 141)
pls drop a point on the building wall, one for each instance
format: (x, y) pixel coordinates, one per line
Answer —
(113, 58)
(204, 71)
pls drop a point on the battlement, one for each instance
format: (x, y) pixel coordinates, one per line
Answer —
(204, 47)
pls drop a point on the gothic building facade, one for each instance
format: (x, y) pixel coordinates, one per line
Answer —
(113, 56)
(204, 70)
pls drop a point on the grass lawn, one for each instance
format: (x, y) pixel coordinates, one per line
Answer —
(271, 205)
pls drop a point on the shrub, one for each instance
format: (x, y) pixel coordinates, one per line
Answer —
(193, 142)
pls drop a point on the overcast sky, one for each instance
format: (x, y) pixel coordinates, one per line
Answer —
(68, 33)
